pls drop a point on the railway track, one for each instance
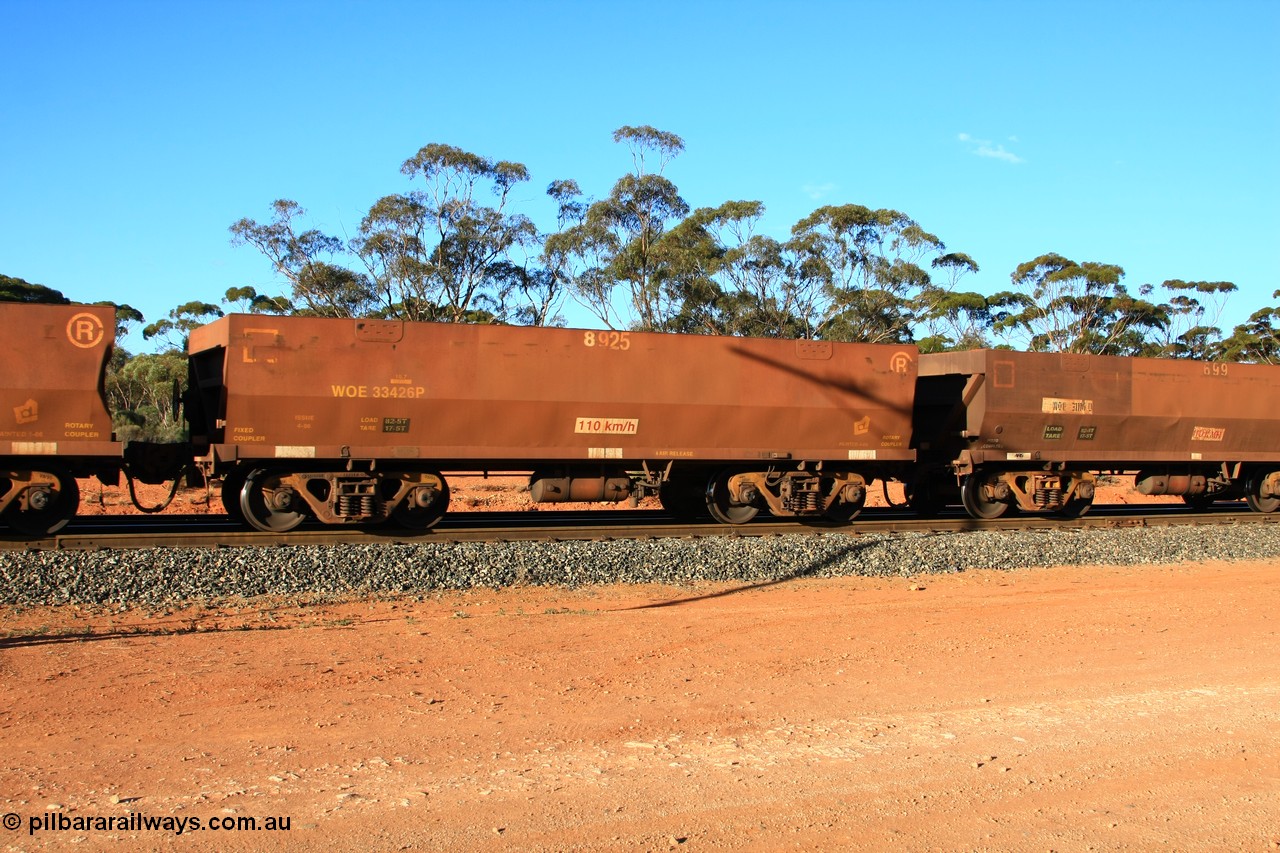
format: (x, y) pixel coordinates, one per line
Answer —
(131, 532)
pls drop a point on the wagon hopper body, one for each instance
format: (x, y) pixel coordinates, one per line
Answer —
(355, 420)
(54, 424)
(1032, 428)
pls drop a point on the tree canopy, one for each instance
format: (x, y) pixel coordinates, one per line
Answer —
(461, 243)
(18, 290)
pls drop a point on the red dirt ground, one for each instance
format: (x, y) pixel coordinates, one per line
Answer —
(1050, 709)
(1054, 709)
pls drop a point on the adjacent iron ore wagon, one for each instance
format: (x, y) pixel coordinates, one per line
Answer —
(356, 421)
(997, 429)
(54, 424)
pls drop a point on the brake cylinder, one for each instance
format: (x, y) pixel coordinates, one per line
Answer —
(1166, 483)
(545, 489)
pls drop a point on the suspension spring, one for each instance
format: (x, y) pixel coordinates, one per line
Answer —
(805, 500)
(357, 506)
(1048, 498)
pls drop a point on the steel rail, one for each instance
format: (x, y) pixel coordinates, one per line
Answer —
(128, 532)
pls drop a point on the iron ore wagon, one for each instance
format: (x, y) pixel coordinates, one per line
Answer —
(997, 429)
(356, 421)
(54, 423)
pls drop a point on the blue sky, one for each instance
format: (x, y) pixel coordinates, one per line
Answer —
(1143, 134)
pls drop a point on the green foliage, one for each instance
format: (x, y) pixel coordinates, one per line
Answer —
(952, 320)
(140, 395)
(18, 290)
(1193, 313)
(948, 318)
(174, 330)
(616, 243)
(1256, 340)
(443, 253)
(1064, 306)
(320, 288)
(726, 279)
(125, 315)
(451, 248)
(247, 300)
(865, 265)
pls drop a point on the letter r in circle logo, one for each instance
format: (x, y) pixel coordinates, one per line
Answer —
(85, 330)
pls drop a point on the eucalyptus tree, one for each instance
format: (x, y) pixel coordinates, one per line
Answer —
(764, 297)
(616, 242)
(686, 294)
(529, 295)
(126, 316)
(579, 255)
(13, 289)
(140, 395)
(1255, 340)
(726, 279)
(534, 292)
(1064, 306)
(866, 267)
(1194, 311)
(247, 300)
(445, 252)
(320, 287)
(174, 330)
(141, 390)
(949, 318)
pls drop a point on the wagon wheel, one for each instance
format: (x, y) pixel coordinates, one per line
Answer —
(232, 485)
(1075, 507)
(268, 504)
(976, 503)
(414, 517)
(48, 510)
(843, 512)
(718, 503)
(1253, 495)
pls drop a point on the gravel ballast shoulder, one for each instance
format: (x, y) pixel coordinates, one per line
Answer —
(162, 576)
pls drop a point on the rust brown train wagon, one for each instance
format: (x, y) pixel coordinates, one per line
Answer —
(1031, 429)
(355, 421)
(54, 424)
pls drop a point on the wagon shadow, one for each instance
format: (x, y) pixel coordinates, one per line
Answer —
(810, 570)
(178, 628)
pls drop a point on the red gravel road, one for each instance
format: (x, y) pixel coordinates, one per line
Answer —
(1061, 709)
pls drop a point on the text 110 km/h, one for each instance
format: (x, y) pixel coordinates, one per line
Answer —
(611, 426)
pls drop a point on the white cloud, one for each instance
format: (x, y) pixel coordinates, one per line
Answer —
(817, 192)
(987, 148)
